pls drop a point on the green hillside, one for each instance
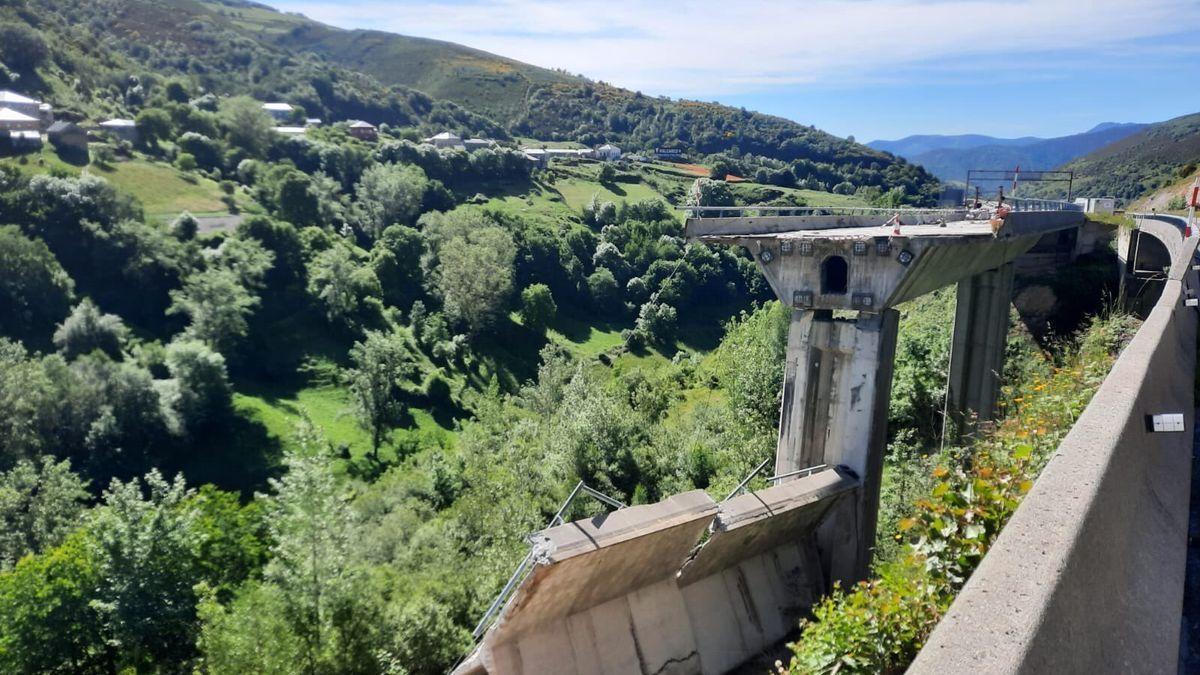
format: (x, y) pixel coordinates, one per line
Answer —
(491, 85)
(1151, 159)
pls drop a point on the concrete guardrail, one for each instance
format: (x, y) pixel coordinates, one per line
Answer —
(1088, 575)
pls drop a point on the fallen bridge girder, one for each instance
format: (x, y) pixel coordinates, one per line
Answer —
(683, 606)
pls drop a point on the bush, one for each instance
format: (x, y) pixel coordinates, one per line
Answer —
(538, 309)
(656, 321)
(186, 162)
(88, 330)
(604, 291)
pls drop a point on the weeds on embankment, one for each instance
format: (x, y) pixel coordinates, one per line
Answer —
(878, 626)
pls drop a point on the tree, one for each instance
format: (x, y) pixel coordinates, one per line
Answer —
(345, 288)
(389, 194)
(607, 173)
(657, 322)
(217, 305)
(146, 554)
(297, 200)
(40, 503)
(185, 227)
(246, 125)
(708, 192)
(396, 259)
(26, 410)
(199, 395)
(312, 527)
(22, 47)
(604, 290)
(537, 307)
(88, 329)
(381, 365)
(35, 291)
(475, 275)
(47, 620)
(154, 125)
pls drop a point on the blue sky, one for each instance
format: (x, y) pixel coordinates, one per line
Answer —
(867, 68)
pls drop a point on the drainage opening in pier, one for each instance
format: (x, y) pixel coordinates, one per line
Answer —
(834, 275)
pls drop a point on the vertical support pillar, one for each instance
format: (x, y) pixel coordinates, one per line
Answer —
(837, 384)
(977, 348)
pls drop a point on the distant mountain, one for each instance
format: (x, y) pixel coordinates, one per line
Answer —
(1154, 157)
(950, 157)
(911, 146)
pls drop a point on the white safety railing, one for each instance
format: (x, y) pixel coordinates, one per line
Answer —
(764, 211)
(1025, 204)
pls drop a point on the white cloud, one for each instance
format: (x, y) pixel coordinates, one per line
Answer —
(715, 47)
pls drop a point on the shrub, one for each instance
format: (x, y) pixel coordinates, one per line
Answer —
(538, 309)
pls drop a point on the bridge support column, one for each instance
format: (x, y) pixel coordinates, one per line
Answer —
(977, 348)
(837, 383)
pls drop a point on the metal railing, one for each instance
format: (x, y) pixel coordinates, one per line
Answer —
(764, 211)
(1026, 204)
(799, 473)
(530, 559)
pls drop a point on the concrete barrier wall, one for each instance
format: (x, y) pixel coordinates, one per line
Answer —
(1087, 577)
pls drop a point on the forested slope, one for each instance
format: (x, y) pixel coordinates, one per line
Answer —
(1150, 159)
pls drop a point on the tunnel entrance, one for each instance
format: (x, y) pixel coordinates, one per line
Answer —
(835, 274)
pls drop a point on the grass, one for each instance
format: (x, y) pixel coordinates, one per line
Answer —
(163, 190)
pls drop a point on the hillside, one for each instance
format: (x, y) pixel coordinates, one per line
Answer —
(102, 58)
(949, 158)
(553, 106)
(1153, 158)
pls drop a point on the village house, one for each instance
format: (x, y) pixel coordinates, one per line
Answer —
(291, 131)
(608, 152)
(281, 112)
(446, 139)
(123, 129)
(22, 104)
(364, 131)
(536, 155)
(13, 120)
(473, 144)
(313, 122)
(68, 136)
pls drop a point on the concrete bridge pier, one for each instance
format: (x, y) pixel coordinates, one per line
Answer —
(977, 348)
(837, 383)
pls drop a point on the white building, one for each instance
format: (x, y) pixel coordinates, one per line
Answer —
(608, 152)
(22, 104)
(1097, 204)
(282, 112)
(12, 120)
(121, 128)
(446, 139)
(291, 131)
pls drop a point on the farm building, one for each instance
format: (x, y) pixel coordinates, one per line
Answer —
(473, 144)
(13, 120)
(123, 129)
(67, 135)
(364, 131)
(608, 152)
(446, 139)
(291, 131)
(282, 112)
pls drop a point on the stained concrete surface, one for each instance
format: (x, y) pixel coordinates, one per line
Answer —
(1189, 637)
